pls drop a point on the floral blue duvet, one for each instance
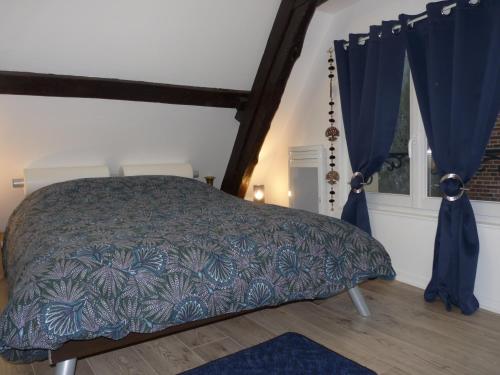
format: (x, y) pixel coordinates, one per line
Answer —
(110, 256)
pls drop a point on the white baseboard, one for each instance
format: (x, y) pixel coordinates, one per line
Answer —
(489, 304)
(411, 279)
(421, 282)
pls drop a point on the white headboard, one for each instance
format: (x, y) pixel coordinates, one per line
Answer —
(36, 178)
(181, 170)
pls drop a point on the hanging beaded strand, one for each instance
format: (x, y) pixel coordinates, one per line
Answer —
(332, 133)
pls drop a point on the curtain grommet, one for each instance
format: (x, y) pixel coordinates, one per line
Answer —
(456, 177)
(446, 11)
(396, 30)
(360, 189)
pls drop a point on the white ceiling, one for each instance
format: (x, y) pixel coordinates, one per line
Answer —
(214, 43)
(333, 6)
(217, 43)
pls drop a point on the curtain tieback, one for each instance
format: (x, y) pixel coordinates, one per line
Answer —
(452, 182)
(357, 182)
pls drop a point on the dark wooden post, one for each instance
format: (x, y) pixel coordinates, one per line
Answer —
(283, 49)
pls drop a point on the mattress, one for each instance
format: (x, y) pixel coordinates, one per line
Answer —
(104, 257)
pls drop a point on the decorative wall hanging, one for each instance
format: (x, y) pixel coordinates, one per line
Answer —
(332, 133)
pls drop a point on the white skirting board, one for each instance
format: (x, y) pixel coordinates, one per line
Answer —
(409, 239)
(421, 283)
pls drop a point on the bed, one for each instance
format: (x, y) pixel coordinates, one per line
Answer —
(123, 259)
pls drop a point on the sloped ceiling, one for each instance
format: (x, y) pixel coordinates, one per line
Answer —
(215, 43)
(333, 6)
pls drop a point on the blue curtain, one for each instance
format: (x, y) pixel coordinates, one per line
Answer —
(370, 78)
(455, 62)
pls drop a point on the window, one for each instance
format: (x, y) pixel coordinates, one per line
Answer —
(485, 185)
(409, 181)
(394, 177)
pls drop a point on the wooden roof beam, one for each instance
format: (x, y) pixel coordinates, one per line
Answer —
(283, 49)
(23, 83)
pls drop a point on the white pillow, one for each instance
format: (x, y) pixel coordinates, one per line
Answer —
(36, 178)
(181, 170)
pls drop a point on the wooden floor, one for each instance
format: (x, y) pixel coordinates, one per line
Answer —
(405, 335)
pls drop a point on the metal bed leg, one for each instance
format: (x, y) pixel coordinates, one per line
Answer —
(359, 301)
(67, 367)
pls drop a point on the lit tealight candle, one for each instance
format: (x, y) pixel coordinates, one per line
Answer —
(258, 193)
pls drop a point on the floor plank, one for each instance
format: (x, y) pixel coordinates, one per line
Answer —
(244, 331)
(279, 322)
(201, 336)
(404, 336)
(395, 371)
(392, 349)
(168, 355)
(7, 368)
(43, 368)
(124, 362)
(457, 350)
(470, 334)
(408, 294)
(217, 349)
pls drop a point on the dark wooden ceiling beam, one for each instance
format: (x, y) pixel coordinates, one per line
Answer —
(283, 49)
(22, 83)
(320, 2)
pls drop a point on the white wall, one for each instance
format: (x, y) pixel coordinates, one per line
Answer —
(295, 123)
(216, 43)
(408, 234)
(49, 132)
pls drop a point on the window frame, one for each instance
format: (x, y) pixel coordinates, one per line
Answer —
(487, 211)
(376, 199)
(418, 202)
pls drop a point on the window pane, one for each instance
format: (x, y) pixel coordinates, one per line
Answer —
(485, 185)
(394, 177)
(432, 177)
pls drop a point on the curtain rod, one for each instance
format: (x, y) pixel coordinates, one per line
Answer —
(445, 11)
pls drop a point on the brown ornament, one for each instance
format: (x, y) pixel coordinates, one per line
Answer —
(332, 177)
(332, 133)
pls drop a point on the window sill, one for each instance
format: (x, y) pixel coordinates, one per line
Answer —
(426, 214)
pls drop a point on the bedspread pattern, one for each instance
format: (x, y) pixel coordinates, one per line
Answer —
(106, 257)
